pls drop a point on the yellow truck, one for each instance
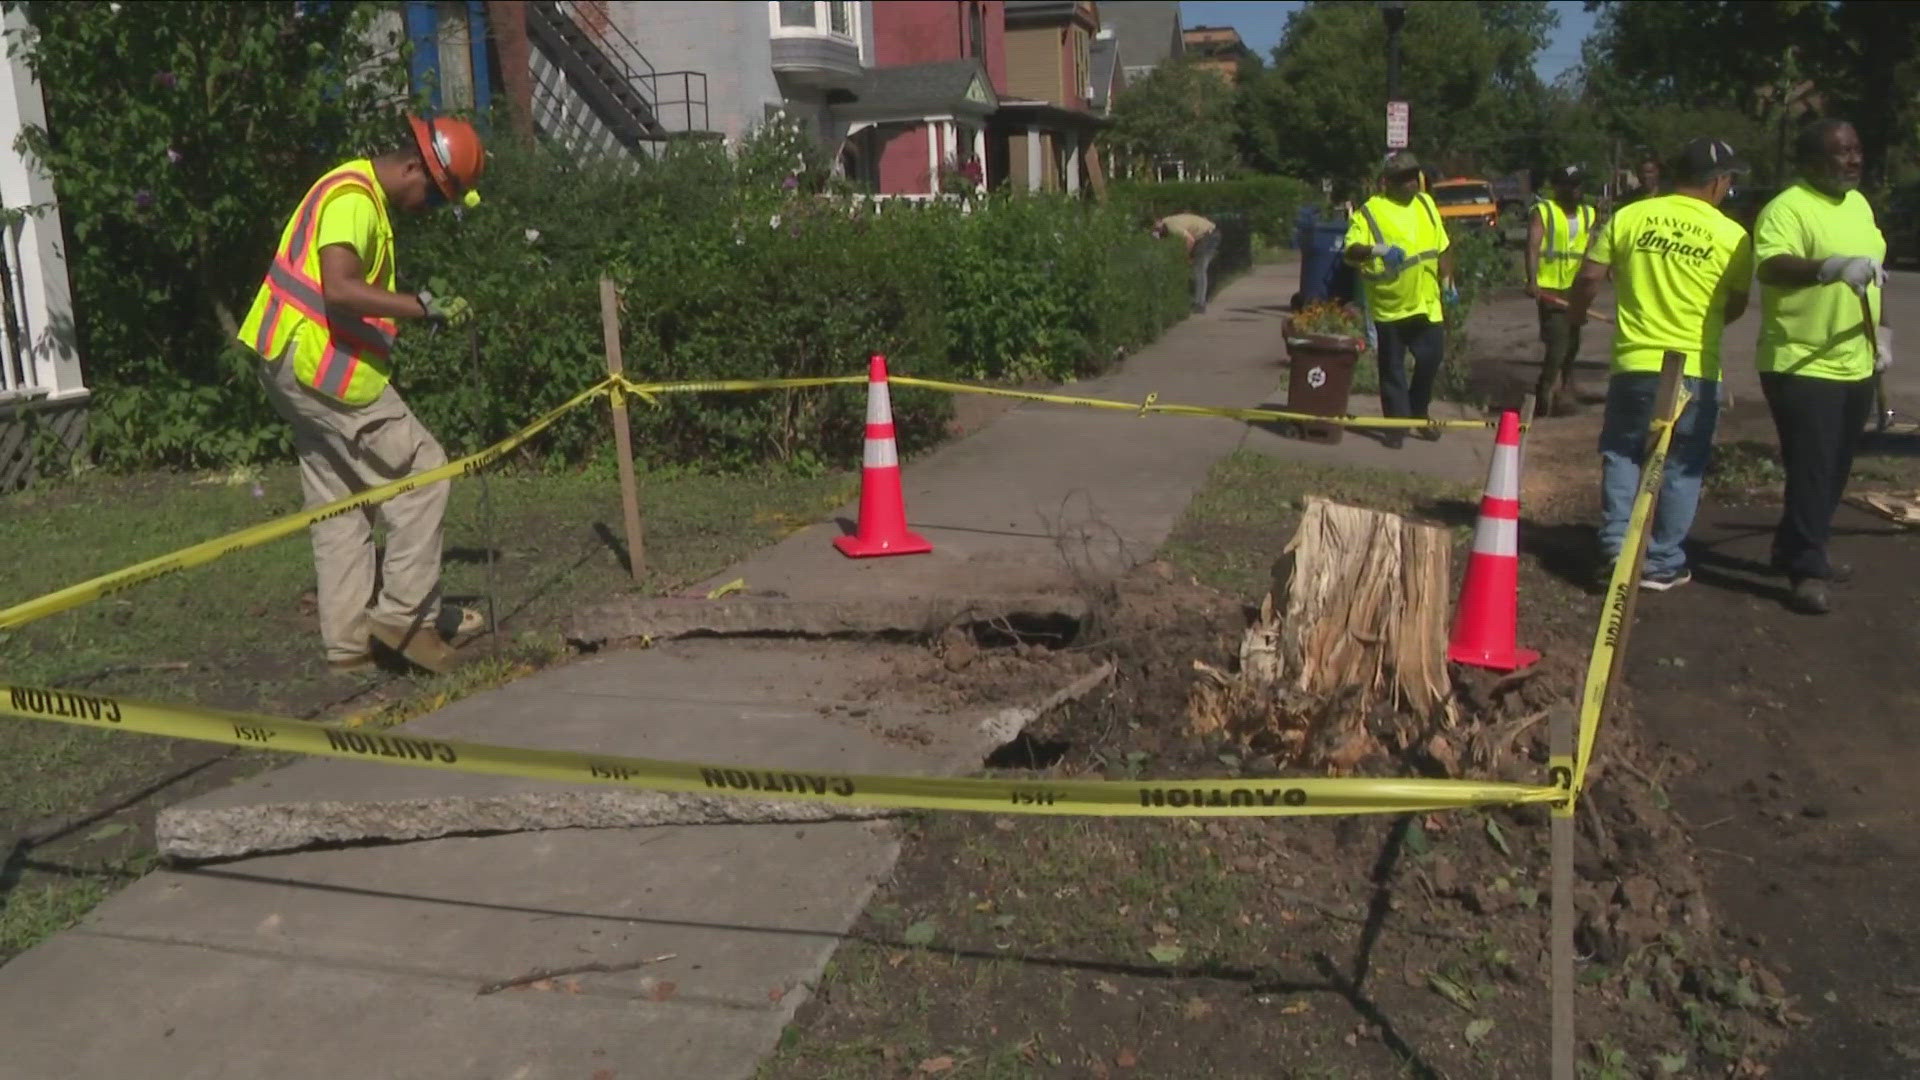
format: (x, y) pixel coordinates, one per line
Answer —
(1465, 201)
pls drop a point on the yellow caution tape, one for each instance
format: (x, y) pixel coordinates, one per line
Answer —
(266, 532)
(1150, 406)
(1150, 798)
(1625, 578)
(619, 385)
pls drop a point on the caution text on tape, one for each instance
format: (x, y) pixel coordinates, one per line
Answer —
(1109, 798)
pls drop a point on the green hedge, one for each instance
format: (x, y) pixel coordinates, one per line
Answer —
(1267, 203)
(724, 275)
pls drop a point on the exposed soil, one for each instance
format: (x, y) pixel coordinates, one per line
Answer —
(1408, 945)
(1791, 737)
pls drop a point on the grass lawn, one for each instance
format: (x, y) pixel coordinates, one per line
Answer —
(241, 634)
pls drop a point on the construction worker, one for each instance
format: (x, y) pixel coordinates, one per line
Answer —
(324, 322)
(1401, 250)
(1202, 238)
(1558, 231)
(1681, 271)
(1820, 268)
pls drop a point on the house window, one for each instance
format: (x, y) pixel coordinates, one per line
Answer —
(831, 17)
(977, 30)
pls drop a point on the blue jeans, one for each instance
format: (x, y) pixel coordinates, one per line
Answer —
(1623, 446)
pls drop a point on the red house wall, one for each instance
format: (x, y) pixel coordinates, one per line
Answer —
(903, 162)
(927, 31)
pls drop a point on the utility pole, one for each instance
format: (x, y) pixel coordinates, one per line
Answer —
(1394, 13)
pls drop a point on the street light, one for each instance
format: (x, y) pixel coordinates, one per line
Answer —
(1395, 14)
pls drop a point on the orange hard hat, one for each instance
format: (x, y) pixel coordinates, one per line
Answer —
(454, 155)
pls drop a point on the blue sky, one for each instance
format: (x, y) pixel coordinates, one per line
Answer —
(1261, 21)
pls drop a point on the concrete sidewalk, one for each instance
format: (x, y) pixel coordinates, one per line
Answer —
(367, 961)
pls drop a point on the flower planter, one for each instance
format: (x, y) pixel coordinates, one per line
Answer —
(1320, 377)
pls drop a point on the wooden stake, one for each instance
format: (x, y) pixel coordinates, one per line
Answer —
(1527, 406)
(622, 434)
(1560, 743)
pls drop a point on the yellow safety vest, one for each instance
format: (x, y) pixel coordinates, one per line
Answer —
(1563, 243)
(342, 355)
(1429, 254)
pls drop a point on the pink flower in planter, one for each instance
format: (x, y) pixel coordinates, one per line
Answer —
(143, 199)
(166, 80)
(174, 157)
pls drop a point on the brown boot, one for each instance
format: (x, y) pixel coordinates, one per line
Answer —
(421, 644)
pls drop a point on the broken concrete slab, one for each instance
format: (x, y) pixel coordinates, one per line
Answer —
(661, 619)
(234, 832)
(220, 827)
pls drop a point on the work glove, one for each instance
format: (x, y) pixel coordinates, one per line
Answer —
(448, 311)
(1449, 295)
(1393, 255)
(1858, 271)
(1883, 349)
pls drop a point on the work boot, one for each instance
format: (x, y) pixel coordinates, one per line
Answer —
(421, 645)
(351, 665)
(1839, 573)
(1809, 597)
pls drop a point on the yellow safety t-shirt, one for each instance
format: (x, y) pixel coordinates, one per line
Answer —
(1816, 330)
(1563, 243)
(1415, 228)
(1675, 261)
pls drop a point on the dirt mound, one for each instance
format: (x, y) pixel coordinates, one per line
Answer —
(1659, 984)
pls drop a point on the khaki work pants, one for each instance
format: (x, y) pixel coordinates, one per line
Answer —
(345, 450)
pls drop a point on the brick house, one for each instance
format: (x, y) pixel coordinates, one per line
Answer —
(1047, 123)
(923, 111)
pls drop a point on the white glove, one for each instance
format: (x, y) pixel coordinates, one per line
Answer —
(1883, 354)
(1857, 271)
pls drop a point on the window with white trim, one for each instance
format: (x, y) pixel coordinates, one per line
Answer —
(832, 18)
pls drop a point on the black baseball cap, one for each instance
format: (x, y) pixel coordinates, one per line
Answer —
(1401, 163)
(1571, 174)
(1704, 158)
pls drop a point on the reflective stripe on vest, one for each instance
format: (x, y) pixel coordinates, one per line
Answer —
(1560, 265)
(1414, 259)
(349, 337)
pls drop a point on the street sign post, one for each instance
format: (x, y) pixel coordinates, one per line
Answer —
(1397, 125)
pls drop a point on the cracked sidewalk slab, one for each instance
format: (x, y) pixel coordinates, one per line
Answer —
(655, 619)
(194, 832)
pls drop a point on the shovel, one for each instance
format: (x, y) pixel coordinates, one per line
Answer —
(1882, 408)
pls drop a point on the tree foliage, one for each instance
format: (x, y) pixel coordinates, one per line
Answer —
(1466, 70)
(1181, 112)
(179, 136)
(1749, 72)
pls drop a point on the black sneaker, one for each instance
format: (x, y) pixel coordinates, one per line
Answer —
(1809, 597)
(1661, 581)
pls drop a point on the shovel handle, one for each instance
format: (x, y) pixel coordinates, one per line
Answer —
(1603, 316)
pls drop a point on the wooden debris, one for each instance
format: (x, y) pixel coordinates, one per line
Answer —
(1899, 507)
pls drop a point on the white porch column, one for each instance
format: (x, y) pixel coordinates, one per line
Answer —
(1073, 165)
(980, 152)
(1035, 170)
(933, 156)
(33, 247)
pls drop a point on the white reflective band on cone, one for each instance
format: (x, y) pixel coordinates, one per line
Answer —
(1497, 536)
(880, 454)
(1503, 481)
(879, 404)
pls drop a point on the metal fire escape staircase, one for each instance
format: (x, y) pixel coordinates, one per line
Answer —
(604, 69)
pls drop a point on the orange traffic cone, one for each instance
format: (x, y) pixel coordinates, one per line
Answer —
(883, 510)
(1487, 620)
